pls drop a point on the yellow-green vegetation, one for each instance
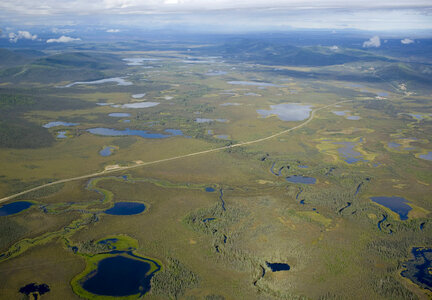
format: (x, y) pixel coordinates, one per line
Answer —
(215, 243)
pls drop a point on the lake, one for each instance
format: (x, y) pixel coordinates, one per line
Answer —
(418, 270)
(139, 105)
(59, 123)
(119, 115)
(355, 118)
(253, 83)
(14, 208)
(140, 133)
(126, 209)
(203, 120)
(287, 111)
(347, 151)
(209, 189)
(230, 104)
(120, 276)
(301, 179)
(341, 113)
(275, 267)
(393, 145)
(396, 204)
(118, 80)
(138, 61)
(427, 156)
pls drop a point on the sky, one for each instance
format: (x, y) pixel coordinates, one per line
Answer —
(223, 15)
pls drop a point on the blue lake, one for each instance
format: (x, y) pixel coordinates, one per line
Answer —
(355, 118)
(340, 113)
(418, 269)
(209, 189)
(393, 145)
(204, 120)
(287, 111)
(427, 156)
(208, 219)
(119, 115)
(253, 83)
(126, 209)
(301, 179)
(120, 276)
(397, 204)
(230, 104)
(14, 208)
(59, 123)
(347, 151)
(107, 151)
(61, 135)
(140, 133)
(275, 267)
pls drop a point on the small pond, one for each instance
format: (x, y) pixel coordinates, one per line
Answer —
(397, 204)
(393, 145)
(126, 209)
(301, 179)
(222, 136)
(354, 118)
(138, 96)
(107, 151)
(61, 135)
(275, 267)
(14, 207)
(287, 111)
(209, 189)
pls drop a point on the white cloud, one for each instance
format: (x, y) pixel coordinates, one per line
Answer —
(14, 37)
(407, 41)
(113, 30)
(372, 42)
(63, 39)
(334, 48)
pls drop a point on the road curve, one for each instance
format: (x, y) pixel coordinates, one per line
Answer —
(311, 117)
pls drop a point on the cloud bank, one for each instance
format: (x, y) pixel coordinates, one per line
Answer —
(25, 35)
(407, 41)
(230, 15)
(63, 39)
(374, 41)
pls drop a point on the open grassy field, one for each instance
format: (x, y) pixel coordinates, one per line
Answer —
(214, 222)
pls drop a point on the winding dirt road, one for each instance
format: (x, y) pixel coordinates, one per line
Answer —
(142, 164)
